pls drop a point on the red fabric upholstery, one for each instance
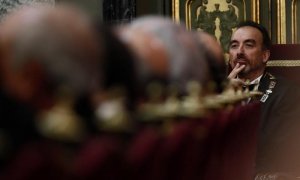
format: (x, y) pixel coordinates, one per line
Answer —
(285, 52)
(232, 154)
(140, 155)
(98, 158)
(36, 160)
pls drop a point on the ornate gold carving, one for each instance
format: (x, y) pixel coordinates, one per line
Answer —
(228, 21)
(61, 122)
(281, 22)
(284, 63)
(218, 20)
(207, 20)
(191, 105)
(217, 17)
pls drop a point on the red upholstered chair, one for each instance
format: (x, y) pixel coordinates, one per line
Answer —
(140, 155)
(233, 152)
(36, 160)
(98, 158)
(285, 61)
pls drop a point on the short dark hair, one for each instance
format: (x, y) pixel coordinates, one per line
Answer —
(266, 38)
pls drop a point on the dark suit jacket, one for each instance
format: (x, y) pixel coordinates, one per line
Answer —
(279, 138)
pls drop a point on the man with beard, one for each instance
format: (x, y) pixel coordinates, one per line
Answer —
(278, 146)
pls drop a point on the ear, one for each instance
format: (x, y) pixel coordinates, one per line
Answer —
(266, 55)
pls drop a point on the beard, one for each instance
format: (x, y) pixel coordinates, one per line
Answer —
(253, 66)
(244, 74)
(251, 70)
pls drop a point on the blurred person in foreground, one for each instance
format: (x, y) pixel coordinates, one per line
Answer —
(168, 63)
(165, 52)
(49, 59)
(278, 148)
(115, 103)
(215, 59)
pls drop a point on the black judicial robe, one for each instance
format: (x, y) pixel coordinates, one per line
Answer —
(279, 137)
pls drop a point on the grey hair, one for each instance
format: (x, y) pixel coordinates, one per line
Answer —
(52, 44)
(184, 57)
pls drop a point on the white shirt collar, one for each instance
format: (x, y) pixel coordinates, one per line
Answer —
(257, 80)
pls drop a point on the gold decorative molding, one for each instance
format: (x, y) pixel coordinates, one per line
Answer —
(294, 22)
(188, 14)
(283, 63)
(255, 11)
(176, 11)
(281, 22)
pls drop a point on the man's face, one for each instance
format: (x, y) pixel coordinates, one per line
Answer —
(246, 48)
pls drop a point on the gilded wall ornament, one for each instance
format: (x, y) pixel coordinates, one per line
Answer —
(222, 20)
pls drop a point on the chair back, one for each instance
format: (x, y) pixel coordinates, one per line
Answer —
(285, 61)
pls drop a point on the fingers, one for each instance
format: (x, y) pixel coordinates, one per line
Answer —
(236, 83)
(236, 70)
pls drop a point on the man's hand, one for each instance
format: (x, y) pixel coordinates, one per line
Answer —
(236, 83)
(233, 81)
(236, 70)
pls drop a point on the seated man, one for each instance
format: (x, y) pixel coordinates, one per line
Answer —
(278, 148)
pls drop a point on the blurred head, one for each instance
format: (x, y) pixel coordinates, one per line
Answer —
(117, 67)
(166, 50)
(250, 46)
(215, 58)
(46, 49)
(211, 45)
(151, 59)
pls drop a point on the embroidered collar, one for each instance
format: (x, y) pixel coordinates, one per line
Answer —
(271, 86)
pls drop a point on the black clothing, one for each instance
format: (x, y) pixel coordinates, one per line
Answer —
(279, 138)
(17, 126)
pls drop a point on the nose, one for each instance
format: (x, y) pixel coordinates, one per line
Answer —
(240, 52)
(240, 49)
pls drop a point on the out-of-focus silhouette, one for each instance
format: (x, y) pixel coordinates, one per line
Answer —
(49, 59)
(142, 101)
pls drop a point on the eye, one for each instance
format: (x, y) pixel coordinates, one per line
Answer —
(250, 45)
(233, 46)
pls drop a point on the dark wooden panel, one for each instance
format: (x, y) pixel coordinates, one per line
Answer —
(119, 11)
